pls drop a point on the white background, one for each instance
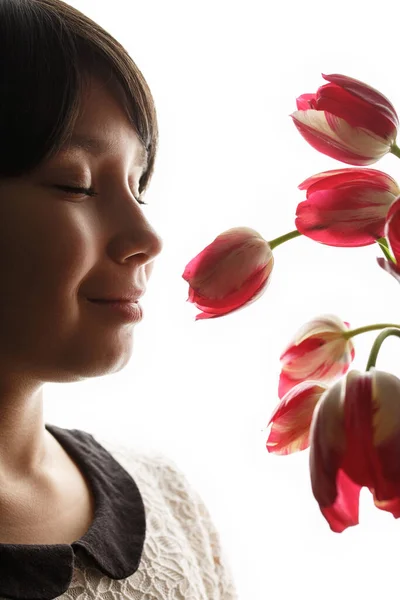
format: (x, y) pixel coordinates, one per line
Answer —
(225, 76)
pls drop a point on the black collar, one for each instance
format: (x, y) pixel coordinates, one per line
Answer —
(115, 539)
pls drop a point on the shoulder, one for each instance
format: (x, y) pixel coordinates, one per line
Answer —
(175, 509)
(163, 485)
(165, 490)
(148, 465)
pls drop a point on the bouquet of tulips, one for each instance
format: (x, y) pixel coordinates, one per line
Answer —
(349, 419)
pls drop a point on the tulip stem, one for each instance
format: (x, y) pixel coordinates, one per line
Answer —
(385, 249)
(377, 345)
(352, 332)
(394, 149)
(283, 238)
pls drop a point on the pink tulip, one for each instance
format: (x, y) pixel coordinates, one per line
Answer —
(319, 351)
(230, 273)
(346, 207)
(355, 442)
(292, 417)
(392, 233)
(347, 120)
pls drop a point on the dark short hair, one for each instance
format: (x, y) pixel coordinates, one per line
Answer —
(48, 52)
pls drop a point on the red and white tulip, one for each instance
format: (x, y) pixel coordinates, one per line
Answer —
(355, 443)
(291, 420)
(230, 273)
(346, 207)
(319, 351)
(347, 120)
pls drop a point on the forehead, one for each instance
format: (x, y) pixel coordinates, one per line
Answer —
(98, 146)
(103, 126)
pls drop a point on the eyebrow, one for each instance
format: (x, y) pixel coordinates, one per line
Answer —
(99, 146)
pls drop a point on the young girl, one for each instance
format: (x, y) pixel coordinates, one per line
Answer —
(80, 517)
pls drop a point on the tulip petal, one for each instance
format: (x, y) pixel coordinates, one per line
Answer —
(392, 506)
(372, 425)
(250, 291)
(355, 176)
(389, 267)
(325, 362)
(306, 345)
(356, 111)
(306, 101)
(336, 494)
(327, 445)
(336, 138)
(319, 326)
(386, 434)
(344, 512)
(344, 217)
(392, 229)
(360, 461)
(221, 246)
(367, 93)
(320, 359)
(291, 419)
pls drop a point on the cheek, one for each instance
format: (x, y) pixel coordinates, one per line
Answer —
(59, 254)
(47, 246)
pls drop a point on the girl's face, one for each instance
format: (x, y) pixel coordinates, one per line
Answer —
(58, 248)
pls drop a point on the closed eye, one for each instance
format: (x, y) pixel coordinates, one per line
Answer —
(89, 192)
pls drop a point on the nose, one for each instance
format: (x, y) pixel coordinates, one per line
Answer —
(142, 239)
(135, 237)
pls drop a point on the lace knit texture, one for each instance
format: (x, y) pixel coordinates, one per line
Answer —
(182, 557)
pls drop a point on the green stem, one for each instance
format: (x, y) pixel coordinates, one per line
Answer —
(283, 238)
(377, 345)
(352, 332)
(394, 149)
(384, 246)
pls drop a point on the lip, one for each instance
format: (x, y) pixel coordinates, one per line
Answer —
(127, 298)
(131, 312)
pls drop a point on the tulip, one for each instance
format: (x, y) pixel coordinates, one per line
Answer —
(292, 417)
(392, 233)
(230, 273)
(346, 207)
(319, 351)
(355, 442)
(347, 120)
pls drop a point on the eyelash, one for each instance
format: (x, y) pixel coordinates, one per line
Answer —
(89, 192)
